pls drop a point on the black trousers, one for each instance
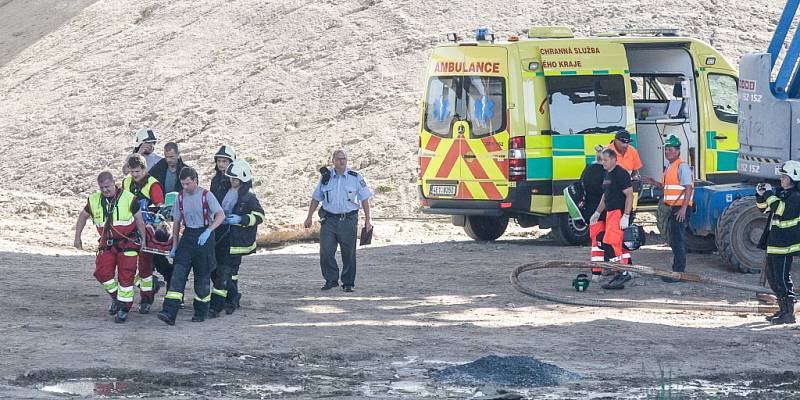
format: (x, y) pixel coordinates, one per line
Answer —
(779, 275)
(191, 257)
(338, 232)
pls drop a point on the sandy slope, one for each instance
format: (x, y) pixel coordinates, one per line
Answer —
(285, 82)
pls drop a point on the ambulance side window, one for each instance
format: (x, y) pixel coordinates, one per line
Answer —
(586, 104)
(724, 97)
(440, 105)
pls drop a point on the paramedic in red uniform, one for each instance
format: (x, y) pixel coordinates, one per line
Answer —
(116, 215)
(617, 202)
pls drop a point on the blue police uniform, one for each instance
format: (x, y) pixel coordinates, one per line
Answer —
(341, 199)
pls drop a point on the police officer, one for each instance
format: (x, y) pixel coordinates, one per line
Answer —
(783, 238)
(200, 213)
(342, 192)
(676, 204)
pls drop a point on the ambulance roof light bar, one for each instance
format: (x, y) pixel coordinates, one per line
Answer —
(483, 34)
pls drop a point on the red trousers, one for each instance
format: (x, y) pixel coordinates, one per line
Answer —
(613, 237)
(114, 269)
(598, 254)
(144, 279)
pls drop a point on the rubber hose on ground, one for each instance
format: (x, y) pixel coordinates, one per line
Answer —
(640, 269)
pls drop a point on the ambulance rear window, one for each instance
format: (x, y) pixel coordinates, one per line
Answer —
(479, 100)
(586, 104)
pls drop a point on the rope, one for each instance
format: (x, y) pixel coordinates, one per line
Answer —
(644, 270)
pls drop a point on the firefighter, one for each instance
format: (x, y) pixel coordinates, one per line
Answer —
(149, 193)
(244, 214)
(592, 181)
(221, 183)
(200, 213)
(342, 192)
(145, 145)
(783, 240)
(616, 202)
(677, 202)
(116, 215)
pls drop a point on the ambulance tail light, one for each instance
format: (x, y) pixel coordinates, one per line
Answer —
(517, 170)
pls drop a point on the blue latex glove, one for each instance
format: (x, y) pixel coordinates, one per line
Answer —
(172, 253)
(233, 219)
(204, 237)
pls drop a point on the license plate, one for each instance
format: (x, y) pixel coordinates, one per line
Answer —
(443, 190)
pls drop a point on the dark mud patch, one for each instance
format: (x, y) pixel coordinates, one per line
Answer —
(511, 371)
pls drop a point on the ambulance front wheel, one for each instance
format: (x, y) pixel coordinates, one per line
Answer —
(569, 233)
(485, 228)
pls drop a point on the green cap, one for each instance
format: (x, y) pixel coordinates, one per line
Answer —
(672, 141)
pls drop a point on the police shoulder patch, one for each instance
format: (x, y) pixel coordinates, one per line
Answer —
(354, 173)
(363, 184)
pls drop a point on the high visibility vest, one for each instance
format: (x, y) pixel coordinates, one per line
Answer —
(122, 220)
(674, 193)
(144, 191)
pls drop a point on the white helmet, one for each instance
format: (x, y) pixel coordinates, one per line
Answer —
(145, 135)
(240, 170)
(791, 169)
(225, 152)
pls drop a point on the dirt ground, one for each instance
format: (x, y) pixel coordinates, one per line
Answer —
(426, 297)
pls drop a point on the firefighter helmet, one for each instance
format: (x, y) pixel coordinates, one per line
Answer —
(240, 170)
(225, 152)
(145, 135)
(791, 169)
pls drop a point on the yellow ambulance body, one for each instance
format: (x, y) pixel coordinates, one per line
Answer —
(506, 125)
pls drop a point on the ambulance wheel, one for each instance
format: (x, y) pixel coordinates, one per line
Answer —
(738, 231)
(485, 228)
(567, 233)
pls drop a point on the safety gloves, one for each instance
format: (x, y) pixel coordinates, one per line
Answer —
(624, 221)
(594, 218)
(204, 237)
(233, 219)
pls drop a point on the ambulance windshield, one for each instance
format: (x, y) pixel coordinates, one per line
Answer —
(586, 104)
(479, 100)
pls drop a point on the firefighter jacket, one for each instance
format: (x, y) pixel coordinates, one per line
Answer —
(220, 184)
(784, 232)
(243, 235)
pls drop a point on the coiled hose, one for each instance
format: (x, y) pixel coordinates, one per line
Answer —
(640, 269)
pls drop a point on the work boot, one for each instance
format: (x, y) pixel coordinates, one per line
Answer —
(347, 288)
(121, 316)
(198, 318)
(781, 309)
(212, 313)
(618, 282)
(329, 285)
(168, 319)
(115, 306)
(144, 307)
(788, 315)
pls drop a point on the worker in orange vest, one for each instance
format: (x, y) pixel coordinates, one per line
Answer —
(678, 186)
(627, 156)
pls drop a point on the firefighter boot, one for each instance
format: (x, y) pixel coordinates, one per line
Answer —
(200, 311)
(232, 304)
(777, 313)
(788, 312)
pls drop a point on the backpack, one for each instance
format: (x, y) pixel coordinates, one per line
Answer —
(575, 197)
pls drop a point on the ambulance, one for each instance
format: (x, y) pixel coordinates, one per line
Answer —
(507, 124)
